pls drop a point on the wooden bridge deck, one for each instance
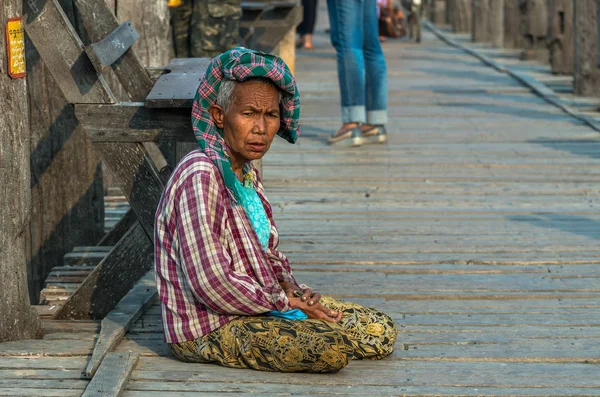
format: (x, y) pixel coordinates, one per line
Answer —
(476, 228)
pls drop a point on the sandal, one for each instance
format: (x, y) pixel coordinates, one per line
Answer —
(375, 134)
(352, 134)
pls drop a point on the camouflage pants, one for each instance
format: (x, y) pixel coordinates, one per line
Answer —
(276, 344)
(205, 28)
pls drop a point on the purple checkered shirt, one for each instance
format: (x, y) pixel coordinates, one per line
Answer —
(210, 266)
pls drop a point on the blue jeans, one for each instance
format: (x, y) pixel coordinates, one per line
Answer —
(361, 65)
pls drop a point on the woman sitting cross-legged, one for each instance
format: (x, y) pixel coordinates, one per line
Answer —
(227, 294)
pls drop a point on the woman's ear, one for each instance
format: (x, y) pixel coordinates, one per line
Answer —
(217, 114)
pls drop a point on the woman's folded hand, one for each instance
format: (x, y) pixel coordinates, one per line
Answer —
(316, 310)
(307, 295)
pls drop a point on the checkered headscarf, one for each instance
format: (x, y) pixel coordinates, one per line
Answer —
(240, 64)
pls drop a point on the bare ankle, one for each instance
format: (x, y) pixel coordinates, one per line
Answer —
(347, 126)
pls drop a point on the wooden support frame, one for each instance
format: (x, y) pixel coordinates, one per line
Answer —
(62, 51)
(137, 176)
(112, 278)
(99, 21)
(133, 122)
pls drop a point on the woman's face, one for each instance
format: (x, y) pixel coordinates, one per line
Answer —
(250, 123)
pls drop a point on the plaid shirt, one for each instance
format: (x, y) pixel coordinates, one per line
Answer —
(210, 266)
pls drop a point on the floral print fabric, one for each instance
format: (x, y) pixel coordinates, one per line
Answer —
(275, 344)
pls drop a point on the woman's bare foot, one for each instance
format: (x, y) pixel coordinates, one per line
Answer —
(308, 44)
(345, 128)
(348, 131)
(366, 127)
(374, 133)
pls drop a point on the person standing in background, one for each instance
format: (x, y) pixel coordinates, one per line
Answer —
(362, 71)
(306, 28)
(204, 28)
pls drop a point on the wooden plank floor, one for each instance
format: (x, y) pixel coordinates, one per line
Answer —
(476, 228)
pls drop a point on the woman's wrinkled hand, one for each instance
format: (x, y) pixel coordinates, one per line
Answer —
(316, 310)
(307, 295)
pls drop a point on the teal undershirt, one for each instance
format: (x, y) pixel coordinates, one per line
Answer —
(257, 215)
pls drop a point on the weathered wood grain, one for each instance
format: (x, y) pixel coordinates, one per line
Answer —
(119, 229)
(112, 375)
(178, 85)
(39, 348)
(560, 36)
(587, 55)
(112, 278)
(99, 21)
(62, 51)
(19, 320)
(132, 122)
(120, 320)
(155, 46)
(137, 176)
(107, 51)
(27, 392)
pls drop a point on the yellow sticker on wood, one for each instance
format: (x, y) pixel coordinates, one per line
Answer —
(15, 43)
(175, 3)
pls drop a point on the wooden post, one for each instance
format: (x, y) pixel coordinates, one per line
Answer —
(512, 22)
(460, 15)
(480, 25)
(534, 25)
(438, 11)
(18, 319)
(67, 192)
(560, 36)
(287, 49)
(497, 22)
(586, 72)
(151, 20)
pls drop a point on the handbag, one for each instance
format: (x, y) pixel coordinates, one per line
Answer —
(391, 21)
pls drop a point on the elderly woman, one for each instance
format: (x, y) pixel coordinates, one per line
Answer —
(227, 294)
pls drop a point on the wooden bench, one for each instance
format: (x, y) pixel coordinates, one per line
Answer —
(120, 131)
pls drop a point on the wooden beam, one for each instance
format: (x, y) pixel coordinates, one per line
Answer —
(108, 50)
(137, 176)
(120, 320)
(132, 122)
(112, 376)
(99, 21)
(112, 278)
(62, 51)
(178, 86)
(118, 231)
